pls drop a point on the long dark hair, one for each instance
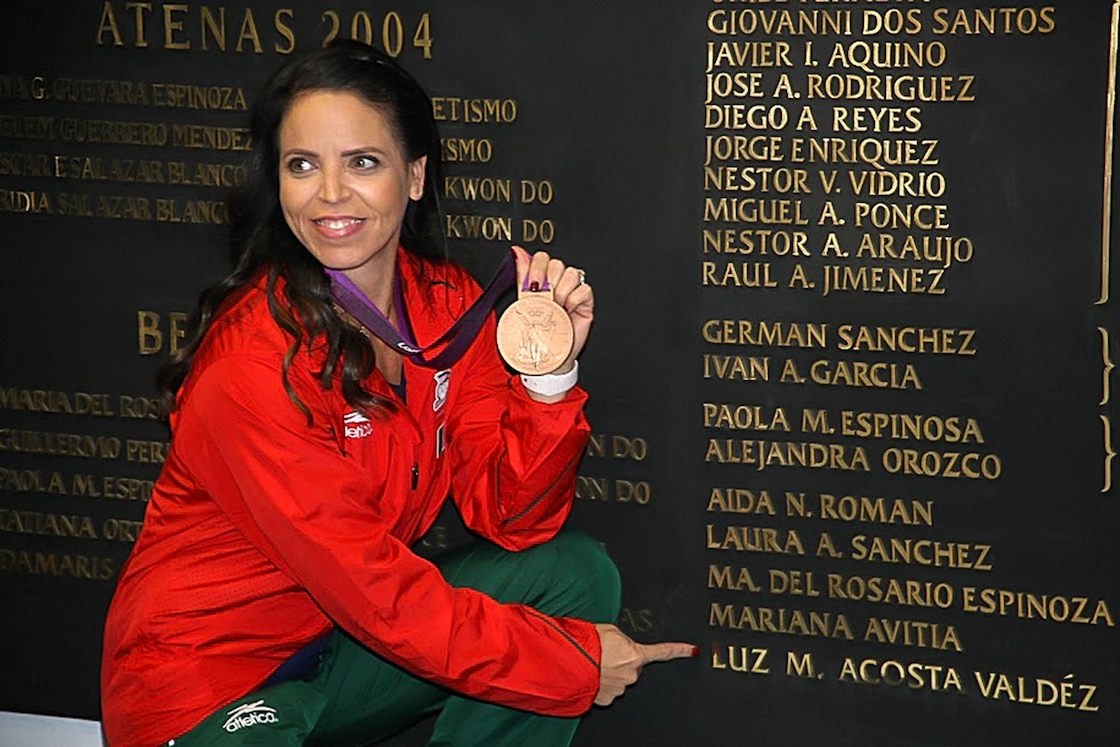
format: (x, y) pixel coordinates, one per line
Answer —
(263, 243)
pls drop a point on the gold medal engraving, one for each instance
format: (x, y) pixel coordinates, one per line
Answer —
(535, 334)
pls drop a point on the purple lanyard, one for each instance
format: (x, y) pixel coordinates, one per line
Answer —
(457, 338)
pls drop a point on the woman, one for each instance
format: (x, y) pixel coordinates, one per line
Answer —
(271, 598)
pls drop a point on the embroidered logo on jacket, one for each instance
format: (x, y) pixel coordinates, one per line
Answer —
(250, 714)
(357, 425)
(443, 383)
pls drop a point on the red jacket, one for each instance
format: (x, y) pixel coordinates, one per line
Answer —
(264, 532)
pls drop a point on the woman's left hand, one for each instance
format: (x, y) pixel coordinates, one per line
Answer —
(569, 289)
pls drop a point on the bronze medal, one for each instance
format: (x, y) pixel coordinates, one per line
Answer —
(535, 334)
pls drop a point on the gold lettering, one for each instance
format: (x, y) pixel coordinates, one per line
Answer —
(919, 340)
(891, 591)
(738, 501)
(924, 552)
(904, 427)
(59, 444)
(762, 455)
(59, 565)
(249, 32)
(721, 577)
(146, 452)
(635, 621)
(47, 524)
(216, 26)
(772, 334)
(992, 21)
(875, 510)
(170, 26)
(915, 633)
(108, 23)
(1026, 605)
(150, 333)
(141, 39)
(755, 539)
(780, 620)
(744, 417)
(284, 31)
(801, 665)
(914, 675)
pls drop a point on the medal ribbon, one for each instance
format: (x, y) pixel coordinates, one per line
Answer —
(458, 337)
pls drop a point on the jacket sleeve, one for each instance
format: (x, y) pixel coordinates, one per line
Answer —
(513, 460)
(293, 493)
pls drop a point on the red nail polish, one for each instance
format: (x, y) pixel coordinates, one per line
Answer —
(534, 286)
(695, 650)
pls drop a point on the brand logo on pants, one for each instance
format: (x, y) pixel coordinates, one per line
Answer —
(250, 714)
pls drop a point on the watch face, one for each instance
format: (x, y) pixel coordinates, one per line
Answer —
(535, 335)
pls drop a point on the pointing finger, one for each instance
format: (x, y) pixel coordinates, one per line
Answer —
(667, 651)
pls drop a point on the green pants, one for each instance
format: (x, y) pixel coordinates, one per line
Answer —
(357, 698)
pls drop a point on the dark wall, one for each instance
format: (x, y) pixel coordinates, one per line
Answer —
(851, 371)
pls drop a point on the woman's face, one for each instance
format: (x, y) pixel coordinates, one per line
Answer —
(345, 182)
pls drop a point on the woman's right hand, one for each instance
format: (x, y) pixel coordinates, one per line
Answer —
(623, 658)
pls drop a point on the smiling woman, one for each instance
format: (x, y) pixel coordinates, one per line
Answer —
(272, 596)
(344, 186)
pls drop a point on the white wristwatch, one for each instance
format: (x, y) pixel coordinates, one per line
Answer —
(550, 384)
